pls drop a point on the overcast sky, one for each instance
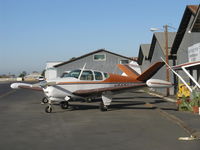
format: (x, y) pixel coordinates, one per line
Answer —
(33, 32)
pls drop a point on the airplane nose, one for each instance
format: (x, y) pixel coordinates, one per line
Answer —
(46, 91)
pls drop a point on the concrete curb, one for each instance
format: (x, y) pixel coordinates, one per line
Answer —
(194, 133)
(163, 97)
(180, 122)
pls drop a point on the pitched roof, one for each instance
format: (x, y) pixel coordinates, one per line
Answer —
(190, 10)
(160, 37)
(195, 27)
(143, 52)
(145, 49)
(91, 53)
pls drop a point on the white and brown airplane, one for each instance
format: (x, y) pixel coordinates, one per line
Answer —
(86, 83)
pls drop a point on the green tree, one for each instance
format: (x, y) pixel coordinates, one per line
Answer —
(23, 74)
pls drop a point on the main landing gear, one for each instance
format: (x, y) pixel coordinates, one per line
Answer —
(103, 107)
(63, 105)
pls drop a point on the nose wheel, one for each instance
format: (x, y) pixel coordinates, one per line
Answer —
(48, 109)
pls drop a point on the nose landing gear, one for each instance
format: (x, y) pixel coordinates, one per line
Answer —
(63, 104)
(48, 109)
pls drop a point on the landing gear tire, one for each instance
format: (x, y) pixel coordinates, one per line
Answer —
(103, 107)
(64, 105)
(45, 100)
(89, 100)
(48, 109)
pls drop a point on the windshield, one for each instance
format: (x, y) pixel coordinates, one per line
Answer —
(74, 73)
(64, 75)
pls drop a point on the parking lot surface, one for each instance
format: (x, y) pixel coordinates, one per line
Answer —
(129, 123)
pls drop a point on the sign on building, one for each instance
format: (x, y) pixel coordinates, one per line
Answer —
(194, 52)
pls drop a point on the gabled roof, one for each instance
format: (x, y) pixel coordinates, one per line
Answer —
(160, 37)
(91, 53)
(143, 52)
(190, 10)
(195, 27)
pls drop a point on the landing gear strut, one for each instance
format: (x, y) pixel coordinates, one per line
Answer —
(64, 104)
(103, 107)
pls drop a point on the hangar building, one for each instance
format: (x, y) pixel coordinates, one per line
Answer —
(186, 46)
(143, 60)
(101, 60)
(150, 54)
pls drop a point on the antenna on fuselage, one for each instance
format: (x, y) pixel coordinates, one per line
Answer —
(84, 66)
(82, 70)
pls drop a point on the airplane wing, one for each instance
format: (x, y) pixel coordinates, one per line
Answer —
(112, 89)
(36, 87)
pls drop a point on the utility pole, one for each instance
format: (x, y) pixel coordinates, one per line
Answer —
(166, 56)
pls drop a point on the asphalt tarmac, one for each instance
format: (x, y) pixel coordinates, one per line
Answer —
(128, 124)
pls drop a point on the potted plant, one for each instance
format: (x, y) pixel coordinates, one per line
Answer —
(184, 103)
(195, 101)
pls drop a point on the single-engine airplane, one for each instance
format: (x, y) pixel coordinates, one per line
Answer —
(86, 83)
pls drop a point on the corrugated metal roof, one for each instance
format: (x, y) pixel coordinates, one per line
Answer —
(189, 11)
(91, 53)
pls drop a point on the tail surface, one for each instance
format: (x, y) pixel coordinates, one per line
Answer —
(153, 69)
(129, 71)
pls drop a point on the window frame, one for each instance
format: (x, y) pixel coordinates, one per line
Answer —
(87, 79)
(99, 59)
(102, 76)
(124, 60)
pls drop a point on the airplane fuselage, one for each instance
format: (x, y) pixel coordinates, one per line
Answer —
(67, 86)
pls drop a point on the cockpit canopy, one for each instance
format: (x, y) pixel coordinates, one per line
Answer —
(86, 75)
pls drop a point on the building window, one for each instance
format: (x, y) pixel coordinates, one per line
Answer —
(99, 57)
(124, 62)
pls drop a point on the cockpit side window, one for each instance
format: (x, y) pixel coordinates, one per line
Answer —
(98, 75)
(106, 75)
(87, 75)
(74, 73)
